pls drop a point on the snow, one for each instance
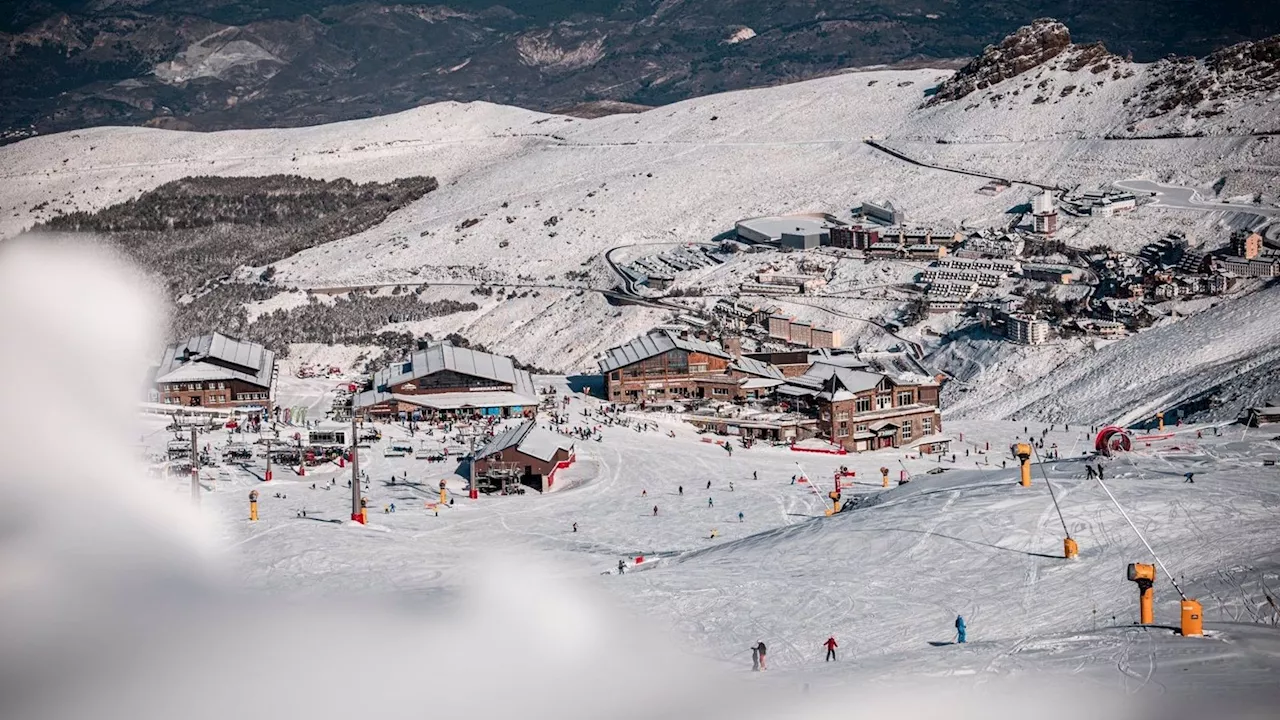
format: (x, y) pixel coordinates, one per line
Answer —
(123, 598)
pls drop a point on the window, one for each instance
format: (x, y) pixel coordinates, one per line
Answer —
(719, 391)
(842, 415)
(884, 400)
(617, 375)
(926, 426)
(844, 430)
(906, 431)
(905, 397)
(861, 427)
(863, 405)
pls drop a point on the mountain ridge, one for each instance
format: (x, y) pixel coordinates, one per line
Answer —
(286, 63)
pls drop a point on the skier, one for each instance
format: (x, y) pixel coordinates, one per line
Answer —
(730, 486)
(622, 567)
(1100, 472)
(960, 629)
(575, 527)
(644, 493)
(793, 479)
(831, 646)
(655, 510)
(393, 507)
(710, 503)
(681, 490)
(1189, 478)
(739, 516)
(708, 484)
(761, 649)
(1088, 472)
(755, 475)
(755, 659)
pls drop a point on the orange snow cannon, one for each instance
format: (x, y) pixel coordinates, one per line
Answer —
(1023, 452)
(884, 475)
(1145, 576)
(1160, 421)
(1070, 550)
(1192, 624)
(253, 505)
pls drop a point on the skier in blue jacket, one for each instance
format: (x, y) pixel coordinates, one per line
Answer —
(960, 629)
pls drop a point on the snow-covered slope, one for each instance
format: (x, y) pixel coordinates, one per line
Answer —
(532, 198)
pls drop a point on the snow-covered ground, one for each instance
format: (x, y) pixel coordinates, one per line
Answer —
(121, 598)
(887, 577)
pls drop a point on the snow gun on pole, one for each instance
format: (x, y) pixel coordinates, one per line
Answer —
(1069, 547)
(1145, 575)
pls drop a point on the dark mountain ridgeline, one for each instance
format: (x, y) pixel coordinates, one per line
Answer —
(272, 63)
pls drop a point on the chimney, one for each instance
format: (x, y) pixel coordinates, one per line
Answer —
(733, 345)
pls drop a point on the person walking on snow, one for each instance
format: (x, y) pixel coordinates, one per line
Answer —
(960, 629)
(831, 646)
(1189, 478)
(1088, 471)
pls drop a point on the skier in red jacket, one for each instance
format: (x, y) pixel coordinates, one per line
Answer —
(831, 646)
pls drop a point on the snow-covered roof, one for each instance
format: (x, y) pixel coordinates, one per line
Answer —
(528, 439)
(232, 359)
(652, 345)
(444, 356)
(196, 371)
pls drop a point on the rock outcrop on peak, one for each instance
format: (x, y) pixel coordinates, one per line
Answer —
(1027, 47)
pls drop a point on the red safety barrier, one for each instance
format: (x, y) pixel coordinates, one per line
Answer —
(639, 559)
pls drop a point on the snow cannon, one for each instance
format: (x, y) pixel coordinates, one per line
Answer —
(253, 505)
(363, 517)
(444, 500)
(1192, 625)
(1023, 452)
(884, 475)
(1112, 439)
(1070, 550)
(835, 501)
(1145, 576)
(1160, 421)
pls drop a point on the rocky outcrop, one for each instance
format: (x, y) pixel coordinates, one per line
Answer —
(1028, 47)
(1205, 88)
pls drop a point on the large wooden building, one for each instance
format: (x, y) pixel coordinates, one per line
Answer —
(525, 453)
(448, 381)
(216, 371)
(664, 366)
(861, 410)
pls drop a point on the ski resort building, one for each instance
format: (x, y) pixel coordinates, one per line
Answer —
(662, 366)
(217, 371)
(1026, 330)
(526, 454)
(804, 229)
(1044, 215)
(448, 381)
(860, 409)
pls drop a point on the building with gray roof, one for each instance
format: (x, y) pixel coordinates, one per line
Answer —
(216, 370)
(445, 380)
(527, 453)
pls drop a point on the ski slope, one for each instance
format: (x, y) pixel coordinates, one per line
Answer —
(124, 599)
